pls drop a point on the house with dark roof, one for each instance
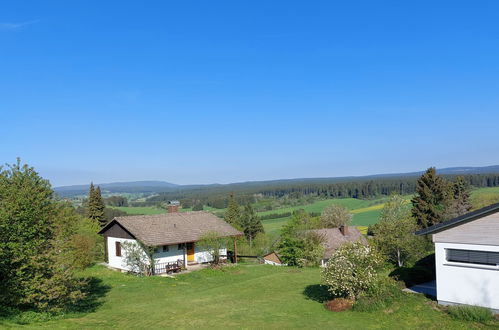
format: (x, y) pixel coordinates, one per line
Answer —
(173, 235)
(334, 238)
(467, 258)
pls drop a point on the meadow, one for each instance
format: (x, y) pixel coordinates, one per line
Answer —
(364, 212)
(243, 296)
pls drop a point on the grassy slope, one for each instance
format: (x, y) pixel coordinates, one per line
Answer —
(249, 296)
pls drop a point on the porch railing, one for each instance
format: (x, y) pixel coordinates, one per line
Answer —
(168, 267)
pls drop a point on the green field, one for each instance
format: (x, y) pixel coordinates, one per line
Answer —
(365, 212)
(245, 296)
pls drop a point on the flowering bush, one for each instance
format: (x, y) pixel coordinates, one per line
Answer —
(351, 270)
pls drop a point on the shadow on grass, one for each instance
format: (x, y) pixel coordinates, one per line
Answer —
(422, 271)
(94, 290)
(317, 292)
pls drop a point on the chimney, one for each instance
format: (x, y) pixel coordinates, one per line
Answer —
(173, 206)
(344, 230)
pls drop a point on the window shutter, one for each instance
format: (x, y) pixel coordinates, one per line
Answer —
(118, 249)
(473, 257)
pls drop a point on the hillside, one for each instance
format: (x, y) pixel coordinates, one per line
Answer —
(151, 187)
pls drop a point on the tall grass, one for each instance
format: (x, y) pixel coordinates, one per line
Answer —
(470, 313)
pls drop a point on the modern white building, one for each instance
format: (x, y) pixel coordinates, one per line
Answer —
(467, 258)
(172, 237)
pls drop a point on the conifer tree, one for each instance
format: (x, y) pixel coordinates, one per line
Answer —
(233, 213)
(431, 202)
(461, 198)
(96, 206)
(250, 223)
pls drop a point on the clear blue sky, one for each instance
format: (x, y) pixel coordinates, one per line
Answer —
(225, 91)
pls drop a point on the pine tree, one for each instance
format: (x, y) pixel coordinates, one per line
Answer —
(233, 213)
(461, 198)
(96, 206)
(250, 223)
(431, 202)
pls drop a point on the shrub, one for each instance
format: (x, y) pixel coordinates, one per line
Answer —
(470, 313)
(351, 270)
(338, 305)
(381, 295)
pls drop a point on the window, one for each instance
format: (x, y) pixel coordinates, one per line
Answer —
(473, 257)
(181, 246)
(118, 249)
(165, 248)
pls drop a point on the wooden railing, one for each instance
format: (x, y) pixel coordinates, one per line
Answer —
(168, 267)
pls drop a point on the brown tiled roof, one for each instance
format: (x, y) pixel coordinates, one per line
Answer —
(173, 228)
(333, 238)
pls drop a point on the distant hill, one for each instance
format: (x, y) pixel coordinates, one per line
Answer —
(150, 187)
(119, 187)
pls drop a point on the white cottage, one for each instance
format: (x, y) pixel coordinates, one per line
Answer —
(173, 235)
(467, 258)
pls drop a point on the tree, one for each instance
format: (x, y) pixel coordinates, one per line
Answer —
(96, 206)
(431, 200)
(198, 207)
(250, 223)
(233, 213)
(335, 216)
(351, 270)
(35, 240)
(213, 243)
(461, 198)
(138, 258)
(394, 233)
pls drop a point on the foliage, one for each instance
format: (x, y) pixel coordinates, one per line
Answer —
(470, 313)
(116, 201)
(138, 258)
(250, 223)
(422, 271)
(213, 243)
(431, 200)
(384, 292)
(95, 206)
(111, 213)
(352, 270)
(335, 216)
(197, 207)
(394, 233)
(36, 247)
(313, 249)
(460, 203)
(233, 213)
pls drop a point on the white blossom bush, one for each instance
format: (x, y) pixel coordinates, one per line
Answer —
(351, 270)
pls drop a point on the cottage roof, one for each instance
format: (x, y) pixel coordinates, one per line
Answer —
(173, 228)
(333, 238)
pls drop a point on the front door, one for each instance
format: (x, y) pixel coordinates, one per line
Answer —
(190, 252)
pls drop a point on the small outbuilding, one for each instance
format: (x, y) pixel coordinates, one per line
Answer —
(467, 258)
(272, 258)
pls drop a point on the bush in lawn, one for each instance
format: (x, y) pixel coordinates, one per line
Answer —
(338, 305)
(351, 270)
(380, 295)
(471, 313)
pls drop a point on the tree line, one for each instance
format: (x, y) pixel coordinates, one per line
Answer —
(363, 189)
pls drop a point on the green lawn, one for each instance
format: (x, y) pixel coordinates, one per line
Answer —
(245, 296)
(141, 210)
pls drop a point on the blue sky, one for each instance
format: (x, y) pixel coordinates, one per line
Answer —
(225, 91)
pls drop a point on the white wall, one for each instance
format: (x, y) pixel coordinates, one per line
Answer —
(469, 284)
(172, 255)
(201, 256)
(113, 260)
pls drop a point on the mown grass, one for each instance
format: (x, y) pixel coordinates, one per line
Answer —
(244, 296)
